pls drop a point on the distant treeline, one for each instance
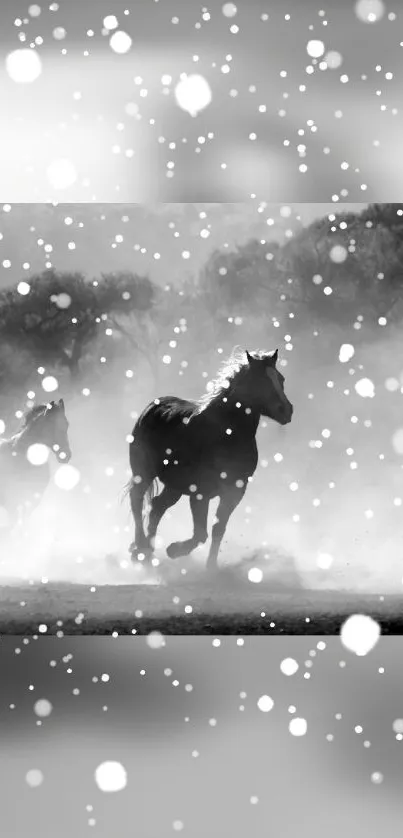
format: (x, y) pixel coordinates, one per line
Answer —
(344, 269)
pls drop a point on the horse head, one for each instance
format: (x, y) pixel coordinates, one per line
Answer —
(266, 386)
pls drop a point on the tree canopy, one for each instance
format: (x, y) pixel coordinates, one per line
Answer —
(55, 317)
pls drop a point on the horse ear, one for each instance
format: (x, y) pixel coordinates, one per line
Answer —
(274, 358)
(61, 404)
(250, 357)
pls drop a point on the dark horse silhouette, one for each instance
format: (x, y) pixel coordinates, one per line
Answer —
(203, 449)
(22, 483)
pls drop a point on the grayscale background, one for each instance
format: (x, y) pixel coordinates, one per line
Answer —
(311, 785)
(306, 785)
(77, 108)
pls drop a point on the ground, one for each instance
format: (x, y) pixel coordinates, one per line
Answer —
(224, 604)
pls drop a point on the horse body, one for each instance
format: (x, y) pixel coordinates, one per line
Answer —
(196, 453)
(203, 449)
(22, 483)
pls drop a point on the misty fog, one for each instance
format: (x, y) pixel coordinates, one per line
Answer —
(325, 504)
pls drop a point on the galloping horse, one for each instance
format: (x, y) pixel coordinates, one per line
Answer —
(203, 449)
(22, 483)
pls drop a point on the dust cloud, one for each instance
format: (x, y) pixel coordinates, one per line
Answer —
(324, 510)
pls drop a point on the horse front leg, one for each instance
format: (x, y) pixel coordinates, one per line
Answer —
(140, 546)
(228, 502)
(159, 505)
(199, 507)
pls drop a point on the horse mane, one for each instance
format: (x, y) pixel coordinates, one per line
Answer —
(33, 413)
(230, 372)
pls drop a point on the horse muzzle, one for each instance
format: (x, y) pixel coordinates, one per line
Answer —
(285, 415)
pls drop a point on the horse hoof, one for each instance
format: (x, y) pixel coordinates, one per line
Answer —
(140, 555)
(175, 550)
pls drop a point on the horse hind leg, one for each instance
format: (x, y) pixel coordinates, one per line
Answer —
(227, 505)
(160, 503)
(140, 546)
(199, 508)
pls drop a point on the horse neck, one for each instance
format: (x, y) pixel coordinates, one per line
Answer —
(235, 416)
(23, 439)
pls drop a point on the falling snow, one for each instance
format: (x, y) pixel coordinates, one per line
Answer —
(236, 119)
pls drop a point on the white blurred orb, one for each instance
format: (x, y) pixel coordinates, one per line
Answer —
(298, 727)
(120, 42)
(255, 574)
(360, 634)
(333, 59)
(265, 703)
(50, 383)
(111, 776)
(131, 108)
(23, 65)
(110, 22)
(34, 778)
(193, 94)
(346, 353)
(369, 11)
(67, 477)
(23, 288)
(365, 388)
(43, 707)
(315, 48)
(338, 254)
(37, 454)
(59, 33)
(229, 9)
(62, 300)
(392, 384)
(324, 561)
(289, 666)
(155, 640)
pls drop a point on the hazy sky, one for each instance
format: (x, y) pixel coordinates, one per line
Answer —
(274, 122)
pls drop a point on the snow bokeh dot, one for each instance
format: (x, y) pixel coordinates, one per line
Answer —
(50, 383)
(111, 776)
(298, 726)
(255, 574)
(360, 634)
(43, 708)
(265, 703)
(193, 93)
(370, 11)
(229, 9)
(289, 666)
(67, 477)
(37, 454)
(120, 42)
(23, 66)
(315, 48)
(338, 254)
(34, 778)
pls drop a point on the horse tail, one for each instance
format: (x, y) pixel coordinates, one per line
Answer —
(151, 492)
(126, 489)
